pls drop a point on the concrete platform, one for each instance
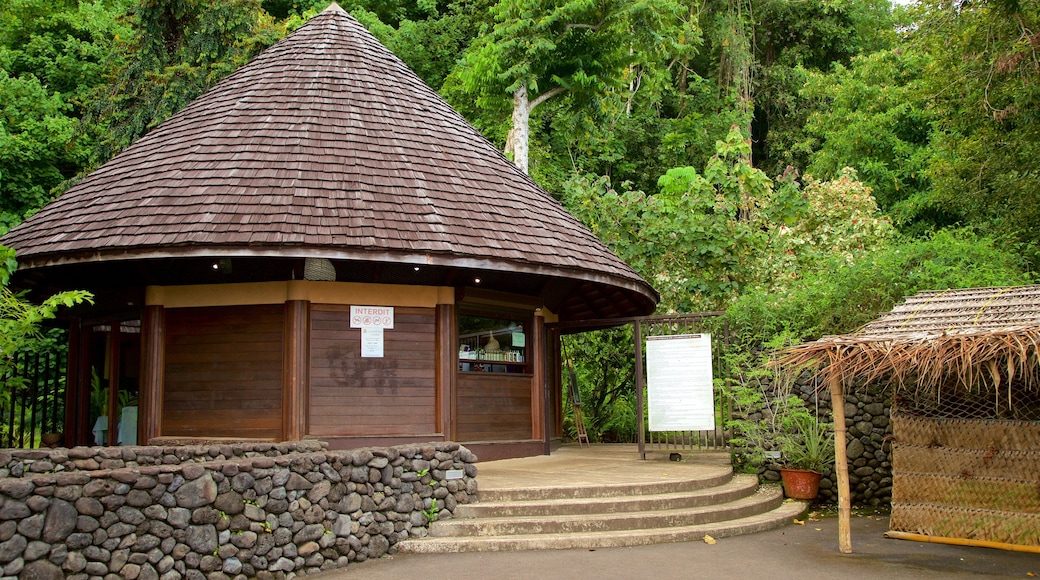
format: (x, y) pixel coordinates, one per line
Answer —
(610, 469)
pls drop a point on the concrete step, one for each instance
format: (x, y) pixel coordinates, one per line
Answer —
(741, 485)
(707, 477)
(765, 499)
(760, 522)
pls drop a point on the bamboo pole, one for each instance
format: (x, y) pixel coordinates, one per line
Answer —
(841, 465)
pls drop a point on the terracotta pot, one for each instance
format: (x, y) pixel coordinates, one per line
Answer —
(800, 483)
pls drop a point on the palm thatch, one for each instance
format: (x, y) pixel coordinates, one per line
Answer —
(980, 340)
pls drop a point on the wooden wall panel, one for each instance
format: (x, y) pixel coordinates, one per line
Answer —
(223, 372)
(493, 407)
(354, 396)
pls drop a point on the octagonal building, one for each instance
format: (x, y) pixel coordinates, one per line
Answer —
(320, 247)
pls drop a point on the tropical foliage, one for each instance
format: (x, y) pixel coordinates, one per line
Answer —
(802, 164)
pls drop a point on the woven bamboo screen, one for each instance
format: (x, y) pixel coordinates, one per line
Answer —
(966, 478)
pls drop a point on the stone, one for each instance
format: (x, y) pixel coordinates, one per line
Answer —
(8, 530)
(377, 546)
(131, 515)
(89, 506)
(14, 510)
(138, 498)
(297, 482)
(855, 449)
(202, 539)
(179, 517)
(308, 548)
(131, 571)
(12, 549)
(36, 550)
(32, 526)
(196, 493)
(283, 565)
(74, 562)
(16, 488)
(99, 488)
(41, 570)
(242, 482)
(309, 532)
(232, 566)
(229, 502)
(192, 471)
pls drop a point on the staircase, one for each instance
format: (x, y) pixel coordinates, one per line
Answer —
(585, 500)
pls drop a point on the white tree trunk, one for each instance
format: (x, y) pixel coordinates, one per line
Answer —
(520, 135)
(521, 131)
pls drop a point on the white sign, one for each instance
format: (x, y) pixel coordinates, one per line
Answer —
(680, 394)
(371, 316)
(371, 342)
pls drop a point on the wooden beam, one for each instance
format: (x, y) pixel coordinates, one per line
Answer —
(841, 465)
(153, 373)
(295, 369)
(640, 384)
(538, 368)
(74, 414)
(113, 383)
(447, 356)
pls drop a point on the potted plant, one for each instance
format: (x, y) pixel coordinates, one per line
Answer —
(807, 448)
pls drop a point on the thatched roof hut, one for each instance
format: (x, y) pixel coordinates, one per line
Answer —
(966, 411)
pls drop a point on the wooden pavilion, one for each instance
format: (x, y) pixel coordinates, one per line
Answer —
(965, 367)
(321, 247)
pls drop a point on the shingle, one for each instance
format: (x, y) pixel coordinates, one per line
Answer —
(322, 134)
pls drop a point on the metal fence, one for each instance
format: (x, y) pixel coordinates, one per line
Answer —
(32, 402)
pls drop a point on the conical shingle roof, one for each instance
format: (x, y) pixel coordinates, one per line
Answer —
(324, 145)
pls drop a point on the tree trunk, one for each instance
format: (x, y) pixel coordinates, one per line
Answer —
(521, 131)
(520, 134)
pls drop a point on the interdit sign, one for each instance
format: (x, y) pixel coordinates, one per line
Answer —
(371, 317)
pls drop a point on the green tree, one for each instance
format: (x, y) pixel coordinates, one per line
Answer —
(179, 48)
(539, 49)
(20, 320)
(982, 78)
(871, 116)
(52, 56)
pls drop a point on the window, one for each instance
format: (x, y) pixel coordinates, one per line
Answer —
(493, 344)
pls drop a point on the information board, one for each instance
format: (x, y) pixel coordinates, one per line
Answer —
(372, 320)
(680, 393)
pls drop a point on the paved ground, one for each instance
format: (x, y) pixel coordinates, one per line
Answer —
(809, 551)
(795, 551)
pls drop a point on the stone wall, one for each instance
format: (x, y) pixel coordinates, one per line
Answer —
(868, 432)
(220, 511)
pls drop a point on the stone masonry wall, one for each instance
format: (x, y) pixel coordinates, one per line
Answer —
(221, 511)
(868, 432)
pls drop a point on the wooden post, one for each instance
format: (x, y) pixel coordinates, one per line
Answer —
(538, 368)
(640, 421)
(74, 416)
(114, 365)
(447, 366)
(153, 372)
(841, 465)
(296, 369)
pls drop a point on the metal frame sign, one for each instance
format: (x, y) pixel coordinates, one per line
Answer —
(680, 391)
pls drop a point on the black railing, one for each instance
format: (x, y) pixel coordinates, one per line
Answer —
(33, 399)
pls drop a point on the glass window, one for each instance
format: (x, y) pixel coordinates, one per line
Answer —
(489, 344)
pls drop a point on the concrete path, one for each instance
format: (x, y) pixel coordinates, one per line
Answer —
(795, 552)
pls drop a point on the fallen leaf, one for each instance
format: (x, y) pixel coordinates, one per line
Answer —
(1030, 574)
(819, 529)
(709, 540)
(799, 522)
